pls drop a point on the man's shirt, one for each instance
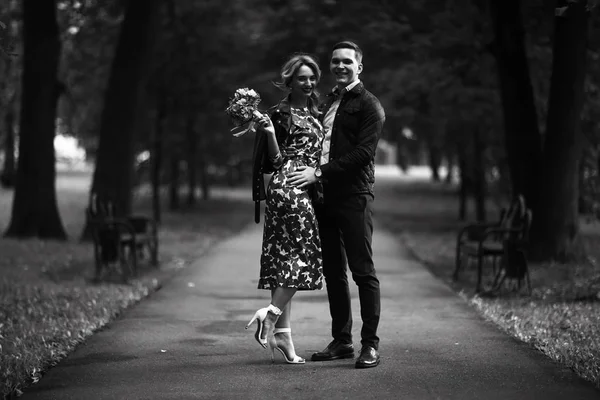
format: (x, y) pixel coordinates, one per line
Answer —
(328, 122)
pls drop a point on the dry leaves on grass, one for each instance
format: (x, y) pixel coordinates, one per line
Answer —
(35, 259)
(43, 322)
(48, 305)
(567, 332)
(561, 318)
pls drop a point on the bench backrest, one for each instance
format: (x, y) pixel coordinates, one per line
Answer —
(517, 216)
(514, 212)
(100, 208)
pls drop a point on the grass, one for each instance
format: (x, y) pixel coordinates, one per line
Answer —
(561, 318)
(48, 304)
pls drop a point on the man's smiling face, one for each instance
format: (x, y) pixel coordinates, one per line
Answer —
(345, 66)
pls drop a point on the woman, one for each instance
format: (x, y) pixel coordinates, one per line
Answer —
(291, 249)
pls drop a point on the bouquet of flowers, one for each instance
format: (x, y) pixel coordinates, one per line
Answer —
(243, 110)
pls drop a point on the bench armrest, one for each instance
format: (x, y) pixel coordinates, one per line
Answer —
(498, 232)
(143, 224)
(117, 224)
(476, 231)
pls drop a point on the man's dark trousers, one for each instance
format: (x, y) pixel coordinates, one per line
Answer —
(346, 230)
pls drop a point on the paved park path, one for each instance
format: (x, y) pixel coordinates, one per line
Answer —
(187, 341)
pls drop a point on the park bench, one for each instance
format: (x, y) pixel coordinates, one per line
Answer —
(120, 241)
(504, 240)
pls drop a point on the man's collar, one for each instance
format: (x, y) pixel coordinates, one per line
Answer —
(352, 87)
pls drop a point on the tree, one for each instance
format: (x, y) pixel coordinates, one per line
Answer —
(89, 32)
(35, 210)
(113, 175)
(7, 174)
(522, 135)
(8, 90)
(548, 171)
(557, 217)
(196, 141)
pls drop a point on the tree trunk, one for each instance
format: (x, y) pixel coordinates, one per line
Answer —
(478, 171)
(556, 232)
(464, 187)
(192, 150)
(113, 176)
(434, 161)
(156, 159)
(450, 161)
(156, 156)
(8, 177)
(35, 209)
(523, 140)
(582, 204)
(204, 180)
(174, 183)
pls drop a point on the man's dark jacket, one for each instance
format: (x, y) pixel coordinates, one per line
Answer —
(356, 131)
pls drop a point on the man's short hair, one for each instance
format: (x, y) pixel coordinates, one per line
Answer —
(347, 44)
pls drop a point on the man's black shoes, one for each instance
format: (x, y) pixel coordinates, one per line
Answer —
(335, 350)
(369, 358)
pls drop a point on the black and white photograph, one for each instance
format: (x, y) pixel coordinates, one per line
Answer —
(299, 199)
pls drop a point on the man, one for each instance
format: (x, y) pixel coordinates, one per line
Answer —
(353, 120)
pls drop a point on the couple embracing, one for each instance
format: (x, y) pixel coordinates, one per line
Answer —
(318, 214)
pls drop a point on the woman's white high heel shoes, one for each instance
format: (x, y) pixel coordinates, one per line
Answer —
(264, 322)
(289, 353)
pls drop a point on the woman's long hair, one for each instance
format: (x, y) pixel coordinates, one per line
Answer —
(289, 70)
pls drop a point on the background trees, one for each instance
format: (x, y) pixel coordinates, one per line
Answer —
(499, 92)
(557, 211)
(545, 166)
(9, 58)
(123, 101)
(35, 211)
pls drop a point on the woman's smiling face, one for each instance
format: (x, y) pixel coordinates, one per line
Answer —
(304, 82)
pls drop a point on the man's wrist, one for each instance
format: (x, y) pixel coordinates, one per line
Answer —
(318, 174)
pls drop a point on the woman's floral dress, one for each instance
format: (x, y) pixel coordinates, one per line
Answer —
(291, 248)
